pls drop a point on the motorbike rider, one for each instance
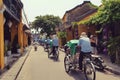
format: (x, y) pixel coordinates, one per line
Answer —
(47, 42)
(85, 47)
(55, 43)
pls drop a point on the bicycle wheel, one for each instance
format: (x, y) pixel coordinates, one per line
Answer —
(57, 55)
(89, 71)
(67, 64)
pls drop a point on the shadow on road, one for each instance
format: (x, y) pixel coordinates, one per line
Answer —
(53, 58)
(77, 75)
(105, 71)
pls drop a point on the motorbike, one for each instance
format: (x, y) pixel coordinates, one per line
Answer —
(98, 62)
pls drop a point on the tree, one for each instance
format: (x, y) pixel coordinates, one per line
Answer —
(109, 12)
(62, 37)
(47, 23)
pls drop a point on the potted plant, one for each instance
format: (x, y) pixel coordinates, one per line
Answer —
(113, 47)
(9, 49)
(62, 36)
(18, 48)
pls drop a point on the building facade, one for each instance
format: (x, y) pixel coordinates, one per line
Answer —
(12, 34)
(77, 14)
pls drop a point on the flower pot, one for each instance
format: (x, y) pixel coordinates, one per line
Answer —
(6, 60)
(9, 52)
(18, 50)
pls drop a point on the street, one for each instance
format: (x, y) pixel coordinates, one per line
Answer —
(39, 67)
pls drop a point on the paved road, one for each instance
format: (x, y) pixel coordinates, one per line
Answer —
(39, 67)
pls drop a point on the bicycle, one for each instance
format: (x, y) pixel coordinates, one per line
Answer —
(88, 67)
(71, 61)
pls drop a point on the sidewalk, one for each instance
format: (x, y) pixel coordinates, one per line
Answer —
(112, 67)
(12, 73)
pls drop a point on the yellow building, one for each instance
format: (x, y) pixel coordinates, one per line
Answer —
(75, 15)
(11, 28)
(26, 36)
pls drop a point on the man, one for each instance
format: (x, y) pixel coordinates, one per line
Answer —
(55, 43)
(85, 47)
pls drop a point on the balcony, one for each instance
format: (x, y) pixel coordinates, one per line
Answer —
(13, 7)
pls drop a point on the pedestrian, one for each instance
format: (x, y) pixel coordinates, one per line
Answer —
(85, 47)
(93, 41)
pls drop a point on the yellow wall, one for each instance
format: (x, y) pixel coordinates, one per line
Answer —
(1, 38)
(20, 35)
(69, 35)
(13, 31)
(25, 39)
(84, 28)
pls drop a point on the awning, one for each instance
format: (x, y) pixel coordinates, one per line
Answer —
(25, 27)
(28, 31)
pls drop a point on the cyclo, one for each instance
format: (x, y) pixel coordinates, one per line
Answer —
(71, 61)
(50, 49)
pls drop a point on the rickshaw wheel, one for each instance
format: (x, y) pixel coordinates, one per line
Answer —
(67, 64)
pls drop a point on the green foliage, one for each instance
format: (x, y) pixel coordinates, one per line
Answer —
(47, 23)
(109, 12)
(113, 45)
(74, 24)
(62, 34)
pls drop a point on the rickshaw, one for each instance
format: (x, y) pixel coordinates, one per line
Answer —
(71, 61)
(56, 51)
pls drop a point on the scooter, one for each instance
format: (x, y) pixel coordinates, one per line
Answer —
(98, 62)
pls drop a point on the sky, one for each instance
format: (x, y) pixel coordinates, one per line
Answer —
(35, 8)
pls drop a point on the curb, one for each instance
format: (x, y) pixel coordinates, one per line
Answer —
(27, 54)
(113, 71)
(16, 67)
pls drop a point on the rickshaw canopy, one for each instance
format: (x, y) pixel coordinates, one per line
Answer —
(72, 45)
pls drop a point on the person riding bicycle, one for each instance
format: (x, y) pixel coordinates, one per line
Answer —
(55, 43)
(47, 42)
(85, 47)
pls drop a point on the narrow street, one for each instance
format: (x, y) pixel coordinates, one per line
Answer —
(39, 67)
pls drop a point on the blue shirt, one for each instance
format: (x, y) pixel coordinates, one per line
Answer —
(85, 45)
(55, 42)
(48, 41)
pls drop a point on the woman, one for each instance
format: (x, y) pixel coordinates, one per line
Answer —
(93, 44)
